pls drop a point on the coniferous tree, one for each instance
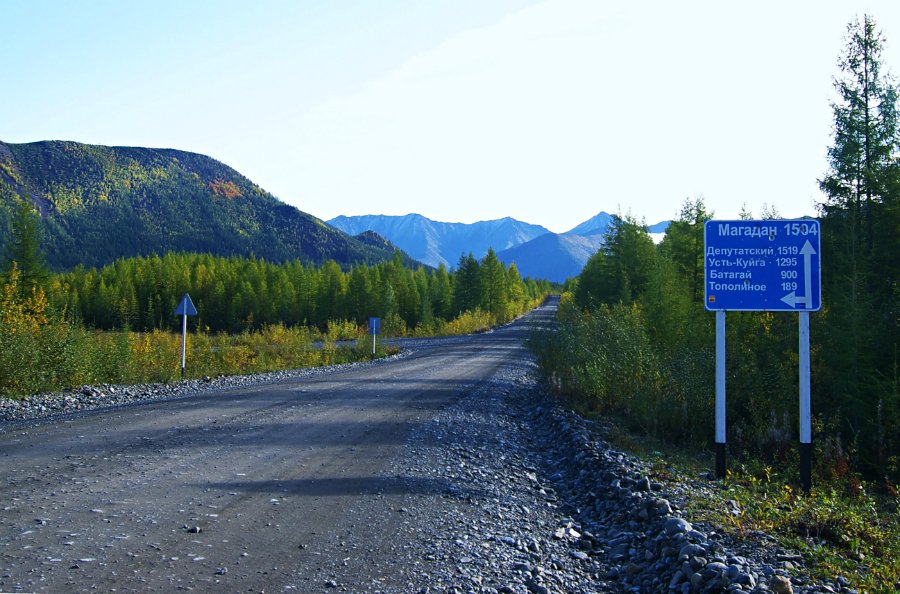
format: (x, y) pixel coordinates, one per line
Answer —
(24, 248)
(493, 284)
(683, 244)
(860, 241)
(441, 293)
(515, 291)
(630, 253)
(621, 270)
(593, 286)
(467, 285)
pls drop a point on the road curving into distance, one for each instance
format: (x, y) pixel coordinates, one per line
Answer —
(255, 489)
(450, 469)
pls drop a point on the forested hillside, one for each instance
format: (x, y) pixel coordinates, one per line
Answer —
(267, 279)
(102, 203)
(114, 324)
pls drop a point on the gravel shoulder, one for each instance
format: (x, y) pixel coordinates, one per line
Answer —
(448, 469)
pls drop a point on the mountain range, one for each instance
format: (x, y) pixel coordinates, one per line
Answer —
(536, 251)
(101, 203)
(434, 243)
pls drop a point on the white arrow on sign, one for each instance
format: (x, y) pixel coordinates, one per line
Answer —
(791, 298)
(807, 250)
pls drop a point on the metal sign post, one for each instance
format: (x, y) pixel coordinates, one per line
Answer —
(185, 308)
(374, 329)
(771, 265)
(720, 394)
(805, 413)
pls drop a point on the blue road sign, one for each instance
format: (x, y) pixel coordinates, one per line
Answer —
(769, 265)
(374, 326)
(186, 307)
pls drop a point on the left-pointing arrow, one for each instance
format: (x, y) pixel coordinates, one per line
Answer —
(792, 299)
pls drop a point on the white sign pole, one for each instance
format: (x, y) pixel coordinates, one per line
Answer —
(185, 308)
(720, 394)
(805, 412)
(183, 343)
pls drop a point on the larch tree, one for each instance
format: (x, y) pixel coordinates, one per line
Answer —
(684, 241)
(493, 284)
(23, 248)
(861, 226)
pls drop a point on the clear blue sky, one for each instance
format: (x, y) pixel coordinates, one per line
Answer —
(462, 110)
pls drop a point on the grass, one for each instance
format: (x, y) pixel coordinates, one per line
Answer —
(843, 527)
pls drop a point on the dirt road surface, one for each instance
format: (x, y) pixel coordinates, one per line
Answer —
(280, 487)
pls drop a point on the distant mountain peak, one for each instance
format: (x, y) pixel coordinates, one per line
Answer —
(435, 242)
(536, 251)
(374, 239)
(554, 257)
(596, 225)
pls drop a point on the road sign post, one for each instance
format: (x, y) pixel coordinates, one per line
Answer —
(771, 265)
(805, 412)
(374, 329)
(720, 394)
(185, 308)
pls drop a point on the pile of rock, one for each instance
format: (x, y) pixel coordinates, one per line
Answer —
(629, 520)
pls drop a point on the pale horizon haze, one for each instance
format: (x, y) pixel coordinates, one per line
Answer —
(548, 111)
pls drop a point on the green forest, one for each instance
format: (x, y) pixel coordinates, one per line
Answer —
(236, 294)
(635, 340)
(116, 324)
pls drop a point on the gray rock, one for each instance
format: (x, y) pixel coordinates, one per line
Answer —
(697, 581)
(781, 585)
(690, 550)
(676, 525)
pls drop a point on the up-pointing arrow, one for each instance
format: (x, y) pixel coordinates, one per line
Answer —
(792, 298)
(807, 250)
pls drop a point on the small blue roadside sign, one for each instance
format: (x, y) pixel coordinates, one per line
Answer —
(771, 265)
(185, 307)
(374, 330)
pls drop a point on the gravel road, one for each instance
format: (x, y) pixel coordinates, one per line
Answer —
(444, 470)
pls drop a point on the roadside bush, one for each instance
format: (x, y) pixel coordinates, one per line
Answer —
(393, 325)
(343, 330)
(39, 348)
(469, 322)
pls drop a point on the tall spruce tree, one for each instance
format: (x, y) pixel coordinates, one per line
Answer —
(24, 248)
(493, 284)
(683, 243)
(466, 284)
(860, 242)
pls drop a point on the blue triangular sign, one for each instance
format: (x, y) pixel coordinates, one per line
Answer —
(186, 307)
